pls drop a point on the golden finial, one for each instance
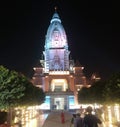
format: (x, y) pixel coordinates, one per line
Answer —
(55, 8)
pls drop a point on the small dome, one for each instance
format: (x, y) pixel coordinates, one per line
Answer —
(55, 18)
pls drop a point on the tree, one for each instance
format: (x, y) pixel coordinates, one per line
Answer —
(96, 91)
(102, 92)
(16, 89)
(83, 95)
(32, 95)
(11, 88)
(93, 94)
(112, 89)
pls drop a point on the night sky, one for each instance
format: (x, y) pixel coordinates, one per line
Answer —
(93, 35)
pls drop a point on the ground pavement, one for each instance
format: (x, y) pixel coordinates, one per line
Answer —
(54, 119)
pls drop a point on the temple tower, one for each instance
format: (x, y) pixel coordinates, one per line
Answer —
(58, 75)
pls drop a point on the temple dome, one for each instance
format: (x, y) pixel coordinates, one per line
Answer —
(55, 33)
(55, 18)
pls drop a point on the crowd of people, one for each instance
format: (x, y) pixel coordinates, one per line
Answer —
(89, 120)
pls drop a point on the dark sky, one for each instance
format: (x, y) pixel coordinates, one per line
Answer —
(93, 35)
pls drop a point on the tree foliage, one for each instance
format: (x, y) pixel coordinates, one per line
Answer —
(102, 91)
(83, 95)
(16, 89)
(32, 95)
(92, 94)
(112, 89)
(11, 87)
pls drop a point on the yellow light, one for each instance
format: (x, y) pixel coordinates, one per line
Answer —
(59, 72)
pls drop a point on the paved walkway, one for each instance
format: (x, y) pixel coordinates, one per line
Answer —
(54, 119)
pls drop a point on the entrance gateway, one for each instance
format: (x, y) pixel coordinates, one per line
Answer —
(58, 85)
(59, 96)
(58, 102)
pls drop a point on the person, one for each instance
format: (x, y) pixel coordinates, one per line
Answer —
(62, 117)
(78, 121)
(72, 120)
(91, 120)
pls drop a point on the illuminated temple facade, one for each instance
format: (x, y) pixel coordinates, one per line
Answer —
(59, 76)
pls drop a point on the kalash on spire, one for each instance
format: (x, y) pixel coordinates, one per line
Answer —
(58, 76)
(55, 8)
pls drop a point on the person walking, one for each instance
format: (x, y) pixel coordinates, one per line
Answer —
(72, 120)
(62, 117)
(78, 121)
(91, 120)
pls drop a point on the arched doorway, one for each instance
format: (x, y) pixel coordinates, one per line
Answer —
(59, 85)
(59, 103)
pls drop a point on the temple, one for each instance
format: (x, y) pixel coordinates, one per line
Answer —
(58, 75)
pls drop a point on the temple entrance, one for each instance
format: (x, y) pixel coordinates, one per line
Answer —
(59, 85)
(59, 103)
